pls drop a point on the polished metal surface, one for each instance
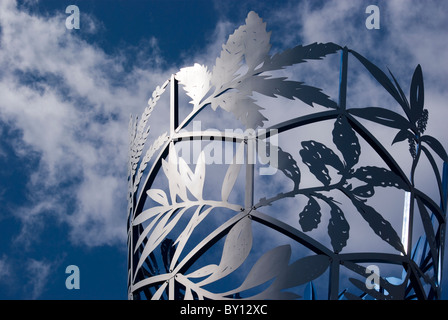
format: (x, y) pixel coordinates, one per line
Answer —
(196, 233)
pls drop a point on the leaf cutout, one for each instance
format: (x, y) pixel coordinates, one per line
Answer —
(143, 233)
(195, 220)
(381, 77)
(402, 135)
(271, 87)
(256, 40)
(158, 196)
(435, 145)
(249, 41)
(316, 155)
(228, 63)
(301, 271)
(232, 173)
(274, 87)
(196, 82)
(267, 267)
(242, 106)
(402, 95)
(203, 272)
(299, 54)
(149, 213)
(417, 94)
(140, 130)
(365, 191)
(338, 228)
(194, 181)
(379, 177)
(345, 139)
(285, 161)
(312, 95)
(236, 249)
(309, 218)
(382, 116)
(379, 225)
(166, 224)
(175, 181)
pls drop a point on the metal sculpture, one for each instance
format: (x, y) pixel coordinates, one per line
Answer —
(183, 245)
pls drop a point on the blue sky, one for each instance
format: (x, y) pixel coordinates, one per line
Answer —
(66, 97)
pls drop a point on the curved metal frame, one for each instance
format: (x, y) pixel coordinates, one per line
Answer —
(144, 281)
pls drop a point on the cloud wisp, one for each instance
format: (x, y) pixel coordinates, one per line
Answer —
(62, 94)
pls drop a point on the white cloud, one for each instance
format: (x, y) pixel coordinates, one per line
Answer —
(5, 269)
(62, 93)
(38, 274)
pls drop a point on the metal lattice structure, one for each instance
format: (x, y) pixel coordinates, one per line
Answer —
(189, 238)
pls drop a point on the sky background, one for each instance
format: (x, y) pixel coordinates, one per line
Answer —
(66, 96)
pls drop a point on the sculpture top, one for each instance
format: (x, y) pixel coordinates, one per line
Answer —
(337, 183)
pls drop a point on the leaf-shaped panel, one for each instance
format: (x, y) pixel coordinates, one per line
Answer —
(285, 161)
(267, 267)
(195, 220)
(302, 271)
(299, 54)
(338, 228)
(256, 40)
(316, 156)
(242, 106)
(309, 218)
(196, 82)
(176, 182)
(203, 272)
(402, 135)
(382, 79)
(365, 191)
(380, 177)
(161, 230)
(382, 116)
(159, 196)
(236, 249)
(274, 87)
(417, 94)
(194, 182)
(345, 139)
(379, 225)
(435, 145)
